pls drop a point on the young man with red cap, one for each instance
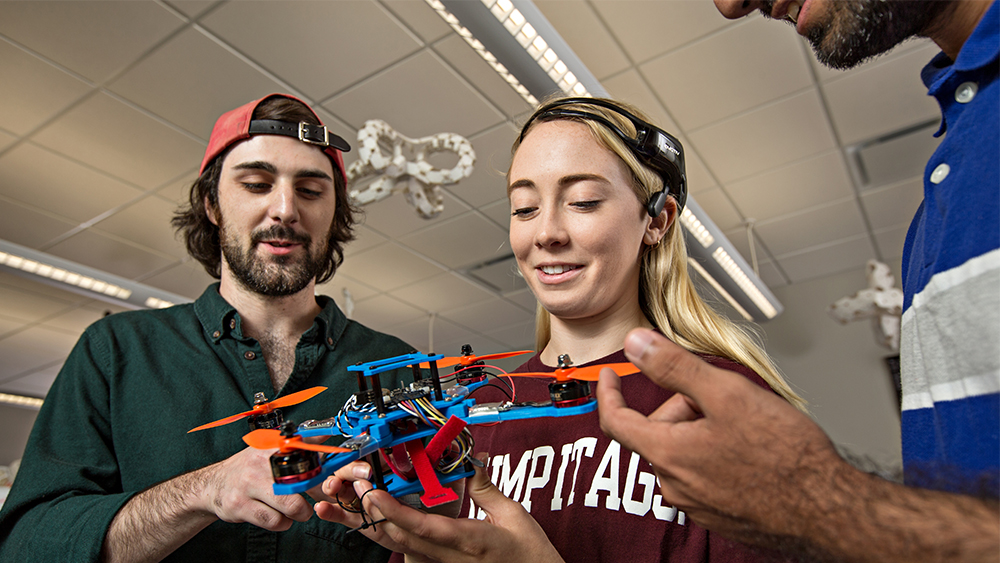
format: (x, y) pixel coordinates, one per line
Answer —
(109, 472)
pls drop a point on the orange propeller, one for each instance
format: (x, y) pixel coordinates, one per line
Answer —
(270, 438)
(469, 359)
(266, 407)
(586, 373)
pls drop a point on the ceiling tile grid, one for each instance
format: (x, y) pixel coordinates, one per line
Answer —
(107, 106)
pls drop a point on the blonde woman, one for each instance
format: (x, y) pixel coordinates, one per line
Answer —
(595, 191)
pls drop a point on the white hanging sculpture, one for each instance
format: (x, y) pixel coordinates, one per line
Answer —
(881, 302)
(419, 181)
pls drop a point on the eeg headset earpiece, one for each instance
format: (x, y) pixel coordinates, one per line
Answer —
(653, 146)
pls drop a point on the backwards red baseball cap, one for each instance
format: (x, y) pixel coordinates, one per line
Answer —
(236, 125)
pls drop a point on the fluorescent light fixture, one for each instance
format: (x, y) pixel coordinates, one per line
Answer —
(21, 401)
(83, 280)
(516, 39)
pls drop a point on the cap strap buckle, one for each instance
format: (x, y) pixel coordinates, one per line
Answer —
(314, 134)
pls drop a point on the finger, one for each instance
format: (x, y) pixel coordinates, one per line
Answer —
(672, 367)
(617, 420)
(678, 408)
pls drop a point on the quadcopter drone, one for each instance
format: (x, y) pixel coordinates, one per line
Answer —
(419, 431)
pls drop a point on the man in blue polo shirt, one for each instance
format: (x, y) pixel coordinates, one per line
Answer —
(745, 464)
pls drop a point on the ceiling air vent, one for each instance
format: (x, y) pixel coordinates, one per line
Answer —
(501, 274)
(893, 157)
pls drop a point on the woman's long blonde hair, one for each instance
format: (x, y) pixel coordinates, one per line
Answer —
(667, 296)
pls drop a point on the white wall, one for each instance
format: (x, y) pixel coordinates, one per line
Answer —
(838, 368)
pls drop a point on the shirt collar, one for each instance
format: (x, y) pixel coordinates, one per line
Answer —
(219, 319)
(979, 50)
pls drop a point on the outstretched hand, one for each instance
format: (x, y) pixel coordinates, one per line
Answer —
(736, 458)
(507, 534)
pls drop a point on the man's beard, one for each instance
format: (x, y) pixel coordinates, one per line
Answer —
(855, 31)
(276, 276)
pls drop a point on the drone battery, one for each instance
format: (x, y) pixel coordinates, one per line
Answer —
(569, 393)
(294, 466)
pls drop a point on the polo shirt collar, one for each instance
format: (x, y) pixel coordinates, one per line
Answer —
(219, 319)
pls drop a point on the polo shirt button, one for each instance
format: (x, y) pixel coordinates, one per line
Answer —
(249, 355)
(965, 92)
(329, 341)
(216, 334)
(232, 324)
(940, 173)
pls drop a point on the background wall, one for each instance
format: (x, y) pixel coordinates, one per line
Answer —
(838, 368)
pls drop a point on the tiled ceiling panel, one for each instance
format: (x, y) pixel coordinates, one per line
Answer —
(35, 89)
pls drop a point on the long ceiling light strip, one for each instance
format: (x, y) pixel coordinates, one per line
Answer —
(20, 401)
(483, 52)
(743, 280)
(718, 288)
(82, 279)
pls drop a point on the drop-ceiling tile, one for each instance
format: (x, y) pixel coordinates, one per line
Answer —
(420, 18)
(831, 259)
(6, 140)
(364, 238)
(418, 331)
(45, 180)
(34, 348)
(320, 47)
(799, 185)
(188, 279)
(387, 266)
(647, 29)
(881, 99)
(75, 321)
(491, 314)
(191, 8)
(890, 243)
(7, 326)
(394, 216)
(817, 226)
(893, 205)
(499, 212)
(442, 293)
(516, 337)
(126, 143)
(418, 97)
(147, 223)
(89, 38)
(477, 72)
(336, 286)
(488, 181)
(525, 298)
(109, 254)
(32, 90)
(36, 384)
(29, 226)
(382, 311)
(719, 76)
(463, 241)
(765, 138)
(719, 209)
(771, 276)
(632, 88)
(586, 35)
(30, 306)
(192, 80)
(178, 192)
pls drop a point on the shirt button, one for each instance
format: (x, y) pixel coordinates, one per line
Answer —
(940, 173)
(329, 341)
(216, 334)
(249, 355)
(232, 324)
(965, 92)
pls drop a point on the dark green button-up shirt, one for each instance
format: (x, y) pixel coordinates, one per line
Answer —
(115, 423)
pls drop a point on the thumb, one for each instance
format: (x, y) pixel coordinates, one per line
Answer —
(482, 491)
(667, 364)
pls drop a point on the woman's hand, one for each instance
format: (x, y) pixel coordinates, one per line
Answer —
(507, 534)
